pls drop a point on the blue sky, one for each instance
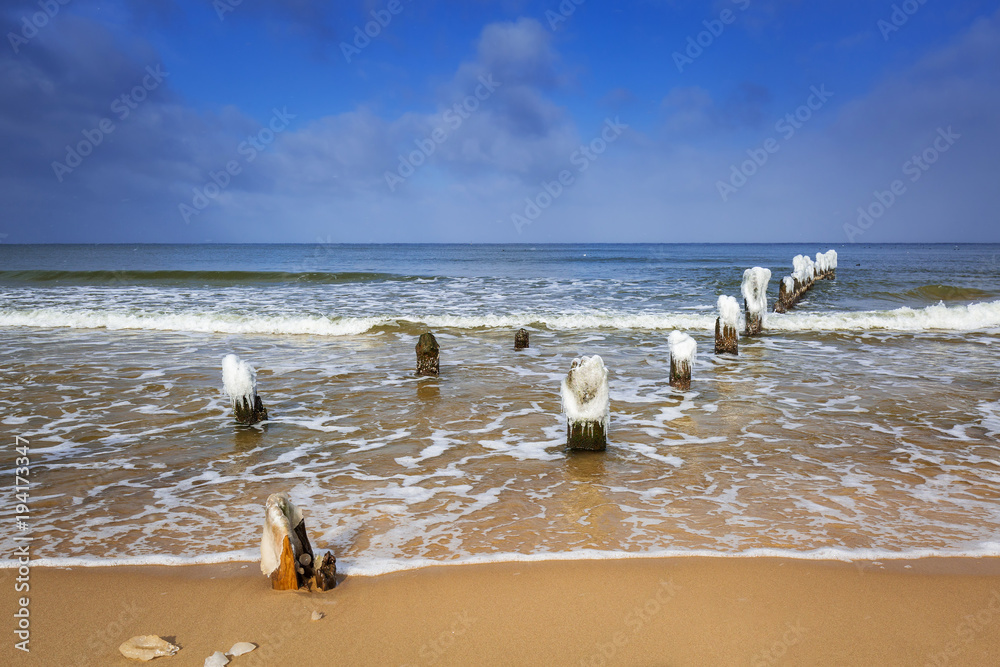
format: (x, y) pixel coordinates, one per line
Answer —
(646, 121)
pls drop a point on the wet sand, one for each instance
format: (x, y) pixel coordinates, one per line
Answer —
(677, 611)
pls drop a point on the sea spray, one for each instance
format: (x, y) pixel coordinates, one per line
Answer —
(587, 404)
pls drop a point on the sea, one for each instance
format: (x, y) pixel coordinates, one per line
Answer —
(862, 424)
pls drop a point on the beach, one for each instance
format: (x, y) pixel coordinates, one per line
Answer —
(828, 496)
(678, 611)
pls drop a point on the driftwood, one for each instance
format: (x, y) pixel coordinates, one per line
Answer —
(293, 565)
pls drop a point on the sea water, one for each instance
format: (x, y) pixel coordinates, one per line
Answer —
(863, 423)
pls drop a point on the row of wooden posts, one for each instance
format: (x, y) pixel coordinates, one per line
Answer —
(591, 433)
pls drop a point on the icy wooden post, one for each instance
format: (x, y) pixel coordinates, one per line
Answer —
(587, 404)
(286, 557)
(240, 381)
(427, 355)
(682, 349)
(826, 265)
(754, 290)
(727, 336)
(521, 339)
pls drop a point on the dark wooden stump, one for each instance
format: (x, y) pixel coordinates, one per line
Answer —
(727, 340)
(520, 339)
(246, 415)
(427, 355)
(755, 321)
(680, 374)
(587, 435)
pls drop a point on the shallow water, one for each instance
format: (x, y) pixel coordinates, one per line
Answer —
(851, 424)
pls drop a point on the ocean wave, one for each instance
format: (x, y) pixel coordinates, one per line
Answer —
(937, 293)
(180, 277)
(938, 317)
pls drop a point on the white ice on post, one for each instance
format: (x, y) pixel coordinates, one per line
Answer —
(789, 284)
(826, 261)
(805, 269)
(682, 347)
(755, 290)
(729, 311)
(280, 518)
(585, 394)
(239, 379)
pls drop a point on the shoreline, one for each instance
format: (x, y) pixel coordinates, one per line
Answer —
(646, 611)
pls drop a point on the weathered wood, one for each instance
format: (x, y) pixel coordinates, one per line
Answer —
(286, 578)
(428, 352)
(727, 339)
(244, 414)
(520, 339)
(587, 435)
(680, 374)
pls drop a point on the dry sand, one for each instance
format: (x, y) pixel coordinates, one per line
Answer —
(679, 611)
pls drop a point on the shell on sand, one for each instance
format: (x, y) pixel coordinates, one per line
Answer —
(240, 648)
(147, 647)
(317, 615)
(217, 659)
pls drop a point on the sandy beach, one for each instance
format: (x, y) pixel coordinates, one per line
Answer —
(677, 611)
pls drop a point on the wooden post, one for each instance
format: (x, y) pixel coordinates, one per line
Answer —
(682, 351)
(587, 404)
(520, 340)
(286, 555)
(240, 381)
(754, 291)
(427, 355)
(727, 336)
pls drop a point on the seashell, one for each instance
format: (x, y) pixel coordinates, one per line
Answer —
(316, 615)
(240, 648)
(147, 647)
(217, 659)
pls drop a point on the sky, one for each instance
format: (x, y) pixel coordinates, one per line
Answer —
(291, 121)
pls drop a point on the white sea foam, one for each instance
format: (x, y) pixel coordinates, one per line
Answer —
(729, 311)
(754, 289)
(585, 394)
(984, 315)
(374, 566)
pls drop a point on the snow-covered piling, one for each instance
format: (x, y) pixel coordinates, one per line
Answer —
(727, 335)
(754, 291)
(286, 557)
(682, 351)
(240, 382)
(427, 355)
(587, 405)
(521, 339)
(805, 273)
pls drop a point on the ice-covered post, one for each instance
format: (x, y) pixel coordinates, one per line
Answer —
(727, 335)
(682, 350)
(240, 381)
(826, 265)
(587, 405)
(427, 355)
(754, 290)
(286, 557)
(521, 339)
